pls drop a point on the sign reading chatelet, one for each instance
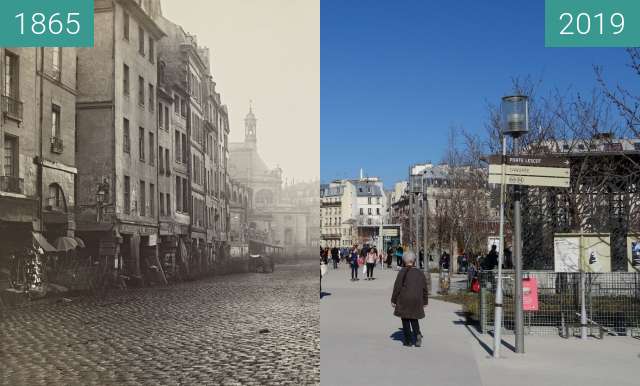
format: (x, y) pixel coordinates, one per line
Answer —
(530, 171)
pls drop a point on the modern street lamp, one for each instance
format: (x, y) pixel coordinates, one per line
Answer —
(515, 123)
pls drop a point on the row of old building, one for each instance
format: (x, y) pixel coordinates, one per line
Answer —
(123, 146)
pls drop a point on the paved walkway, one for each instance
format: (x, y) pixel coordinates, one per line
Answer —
(361, 345)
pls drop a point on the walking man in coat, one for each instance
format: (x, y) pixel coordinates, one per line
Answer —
(410, 296)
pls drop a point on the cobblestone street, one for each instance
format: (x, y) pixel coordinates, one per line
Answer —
(202, 332)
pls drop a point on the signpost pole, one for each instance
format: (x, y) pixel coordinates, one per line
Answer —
(517, 254)
(497, 325)
(583, 308)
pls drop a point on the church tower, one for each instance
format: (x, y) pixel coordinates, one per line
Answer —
(250, 136)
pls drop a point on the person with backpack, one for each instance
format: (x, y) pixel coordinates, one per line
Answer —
(353, 261)
(409, 298)
(335, 256)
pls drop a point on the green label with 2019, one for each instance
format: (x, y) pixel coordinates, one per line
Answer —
(592, 23)
(46, 23)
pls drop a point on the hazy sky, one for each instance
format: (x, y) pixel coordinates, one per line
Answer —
(267, 51)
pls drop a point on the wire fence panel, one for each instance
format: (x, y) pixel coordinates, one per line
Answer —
(612, 302)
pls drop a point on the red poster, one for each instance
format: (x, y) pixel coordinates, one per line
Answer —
(530, 294)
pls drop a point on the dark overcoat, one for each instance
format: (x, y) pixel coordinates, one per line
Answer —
(410, 294)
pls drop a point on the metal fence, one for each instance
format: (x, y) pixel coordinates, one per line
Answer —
(612, 303)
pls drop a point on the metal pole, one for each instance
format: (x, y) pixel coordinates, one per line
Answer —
(497, 324)
(517, 249)
(583, 307)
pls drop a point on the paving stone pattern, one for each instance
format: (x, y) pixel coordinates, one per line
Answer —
(205, 332)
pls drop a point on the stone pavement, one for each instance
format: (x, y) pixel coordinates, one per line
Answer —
(361, 345)
(204, 332)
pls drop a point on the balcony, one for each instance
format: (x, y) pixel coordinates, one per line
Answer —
(12, 184)
(57, 146)
(11, 108)
(329, 204)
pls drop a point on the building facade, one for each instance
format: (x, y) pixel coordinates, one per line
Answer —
(37, 159)
(117, 126)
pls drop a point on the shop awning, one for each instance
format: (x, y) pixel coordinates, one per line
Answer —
(43, 243)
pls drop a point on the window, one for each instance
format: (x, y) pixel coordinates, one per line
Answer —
(126, 139)
(378, 211)
(152, 146)
(152, 98)
(56, 63)
(361, 211)
(168, 204)
(152, 51)
(127, 195)
(141, 91)
(368, 210)
(369, 200)
(10, 156)
(161, 204)
(183, 108)
(152, 201)
(176, 104)
(141, 143)
(125, 79)
(160, 159)
(184, 149)
(141, 40)
(178, 147)
(11, 75)
(143, 199)
(178, 194)
(166, 161)
(185, 197)
(56, 200)
(160, 116)
(636, 146)
(55, 121)
(166, 117)
(125, 27)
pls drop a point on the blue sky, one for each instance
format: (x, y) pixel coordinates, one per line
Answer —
(395, 75)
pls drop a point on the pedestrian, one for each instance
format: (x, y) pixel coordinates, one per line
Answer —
(335, 256)
(389, 256)
(399, 253)
(371, 258)
(353, 261)
(490, 262)
(410, 296)
(380, 260)
(421, 258)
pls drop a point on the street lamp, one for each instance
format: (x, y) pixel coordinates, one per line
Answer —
(515, 123)
(103, 190)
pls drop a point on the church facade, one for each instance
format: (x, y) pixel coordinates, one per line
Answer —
(274, 225)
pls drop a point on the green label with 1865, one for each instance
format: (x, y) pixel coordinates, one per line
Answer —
(46, 23)
(592, 23)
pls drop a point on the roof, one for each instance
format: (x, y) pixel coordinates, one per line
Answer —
(364, 189)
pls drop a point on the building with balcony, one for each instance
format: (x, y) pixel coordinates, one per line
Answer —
(37, 159)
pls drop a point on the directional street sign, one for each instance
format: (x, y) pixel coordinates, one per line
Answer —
(527, 160)
(530, 170)
(529, 180)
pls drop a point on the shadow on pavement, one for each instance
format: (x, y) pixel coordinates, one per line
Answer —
(397, 335)
(323, 294)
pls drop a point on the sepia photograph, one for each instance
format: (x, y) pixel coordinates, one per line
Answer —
(159, 197)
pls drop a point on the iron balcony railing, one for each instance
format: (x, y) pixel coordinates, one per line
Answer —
(57, 146)
(11, 107)
(12, 184)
